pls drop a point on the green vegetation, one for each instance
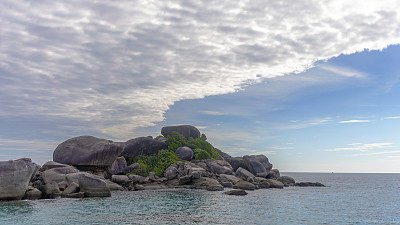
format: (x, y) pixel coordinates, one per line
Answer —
(160, 162)
(176, 140)
(154, 163)
(200, 154)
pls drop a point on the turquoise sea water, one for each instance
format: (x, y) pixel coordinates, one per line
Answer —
(347, 199)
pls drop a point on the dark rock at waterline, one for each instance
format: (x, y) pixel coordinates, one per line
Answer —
(287, 181)
(87, 151)
(142, 146)
(275, 183)
(236, 162)
(14, 178)
(186, 130)
(236, 192)
(208, 184)
(32, 193)
(273, 174)
(184, 153)
(310, 184)
(244, 185)
(91, 185)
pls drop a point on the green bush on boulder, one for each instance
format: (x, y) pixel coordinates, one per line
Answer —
(154, 163)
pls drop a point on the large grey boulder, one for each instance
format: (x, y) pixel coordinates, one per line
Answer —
(208, 184)
(72, 188)
(287, 181)
(32, 193)
(87, 151)
(142, 146)
(51, 164)
(51, 190)
(245, 175)
(236, 162)
(186, 130)
(244, 185)
(57, 174)
(14, 178)
(228, 178)
(90, 184)
(275, 183)
(171, 172)
(273, 174)
(118, 166)
(257, 164)
(184, 153)
(219, 166)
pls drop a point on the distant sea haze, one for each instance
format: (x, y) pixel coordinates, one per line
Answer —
(346, 199)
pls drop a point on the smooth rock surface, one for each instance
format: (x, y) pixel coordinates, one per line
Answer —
(118, 166)
(257, 164)
(245, 175)
(236, 162)
(186, 130)
(142, 146)
(184, 153)
(275, 183)
(287, 181)
(244, 185)
(32, 193)
(14, 178)
(208, 184)
(87, 151)
(219, 166)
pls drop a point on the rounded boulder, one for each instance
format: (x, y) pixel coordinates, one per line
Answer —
(87, 151)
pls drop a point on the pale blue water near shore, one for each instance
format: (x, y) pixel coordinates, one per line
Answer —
(347, 199)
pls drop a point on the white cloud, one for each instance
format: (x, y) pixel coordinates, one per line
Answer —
(355, 121)
(294, 124)
(359, 147)
(214, 113)
(343, 71)
(392, 117)
(116, 66)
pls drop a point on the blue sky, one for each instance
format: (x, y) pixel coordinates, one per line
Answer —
(315, 92)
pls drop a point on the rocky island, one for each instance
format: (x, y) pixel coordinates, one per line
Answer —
(181, 157)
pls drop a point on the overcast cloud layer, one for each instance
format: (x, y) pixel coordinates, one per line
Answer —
(118, 65)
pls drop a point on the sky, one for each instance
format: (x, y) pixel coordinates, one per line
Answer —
(313, 85)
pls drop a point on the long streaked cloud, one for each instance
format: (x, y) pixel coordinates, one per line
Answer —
(365, 148)
(115, 66)
(355, 121)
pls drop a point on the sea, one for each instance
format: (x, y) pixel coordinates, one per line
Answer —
(348, 198)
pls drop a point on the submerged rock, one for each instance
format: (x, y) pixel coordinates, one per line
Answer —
(236, 192)
(310, 184)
